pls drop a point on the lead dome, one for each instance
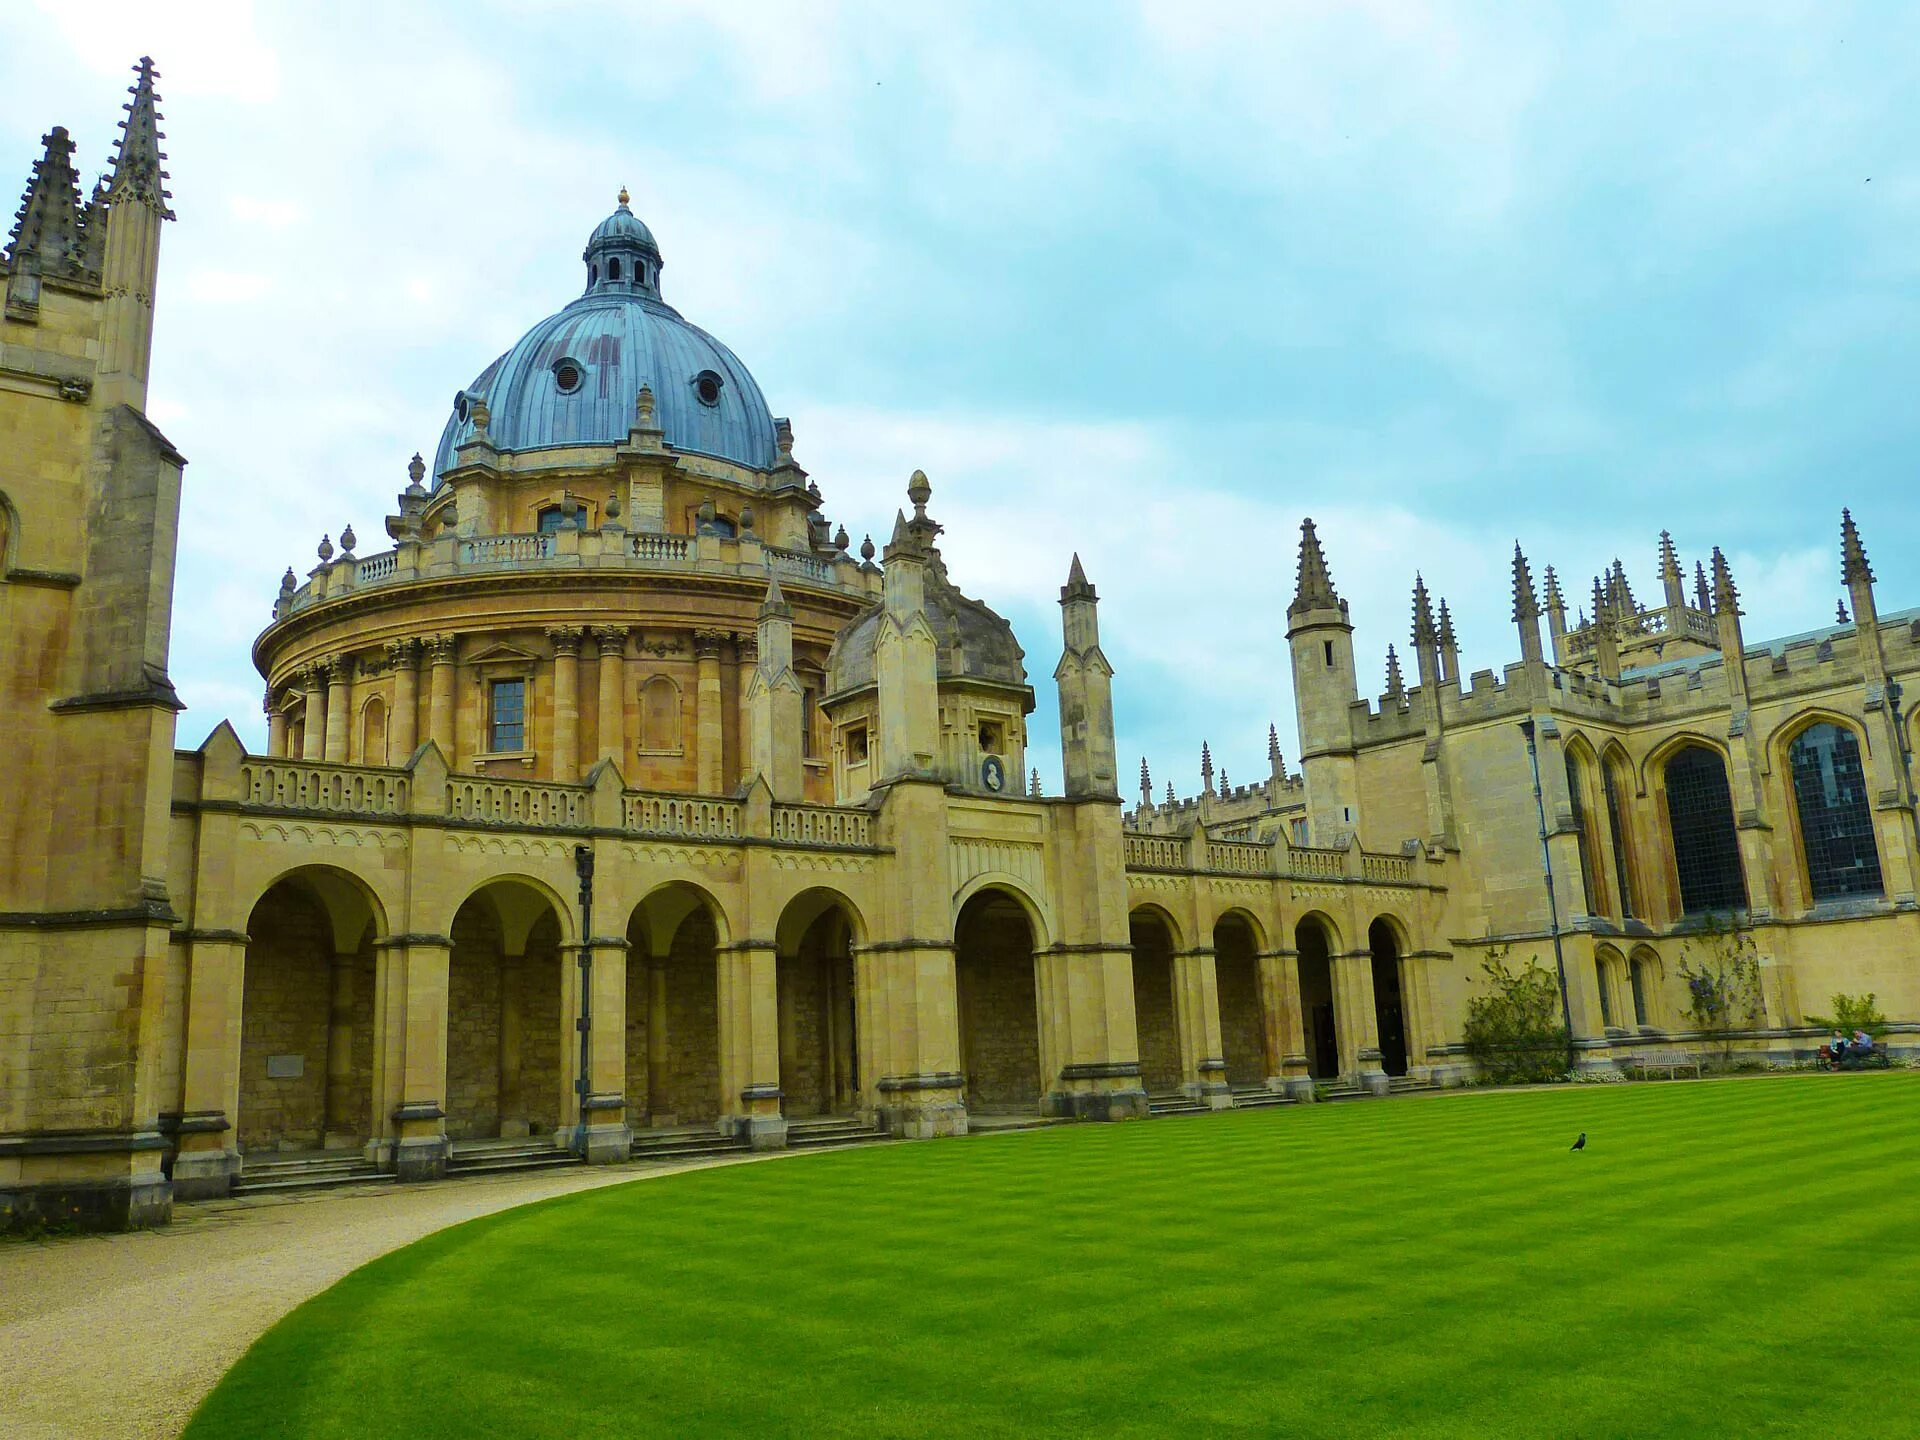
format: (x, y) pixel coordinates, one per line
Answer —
(572, 378)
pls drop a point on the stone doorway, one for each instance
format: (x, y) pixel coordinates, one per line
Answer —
(819, 1050)
(506, 1066)
(1315, 958)
(1243, 1024)
(1389, 1007)
(1155, 1008)
(998, 1005)
(673, 1011)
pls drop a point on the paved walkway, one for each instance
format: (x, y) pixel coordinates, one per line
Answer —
(117, 1337)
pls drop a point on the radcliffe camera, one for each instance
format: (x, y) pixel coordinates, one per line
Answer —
(894, 723)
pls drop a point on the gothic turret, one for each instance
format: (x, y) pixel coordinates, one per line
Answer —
(1526, 608)
(1085, 683)
(1726, 616)
(1320, 643)
(774, 699)
(136, 205)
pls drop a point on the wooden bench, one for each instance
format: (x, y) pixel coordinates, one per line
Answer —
(1646, 1065)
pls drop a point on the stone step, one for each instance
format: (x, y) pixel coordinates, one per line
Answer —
(1174, 1105)
(1259, 1098)
(279, 1169)
(686, 1145)
(322, 1179)
(501, 1162)
(853, 1133)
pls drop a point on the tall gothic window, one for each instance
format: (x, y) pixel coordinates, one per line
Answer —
(1589, 878)
(1836, 827)
(1622, 837)
(1637, 975)
(1605, 981)
(1706, 851)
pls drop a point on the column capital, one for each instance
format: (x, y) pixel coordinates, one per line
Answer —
(565, 638)
(747, 648)
(442, 648)
(610, 637)
(707, 643)
(401, 653)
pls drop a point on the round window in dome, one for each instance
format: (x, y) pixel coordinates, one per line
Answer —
(707, 385)
(567, 375)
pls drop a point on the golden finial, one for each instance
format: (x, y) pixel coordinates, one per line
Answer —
(624, 197)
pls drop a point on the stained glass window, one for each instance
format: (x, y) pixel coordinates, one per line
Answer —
(1836, 825)
(1706, 851)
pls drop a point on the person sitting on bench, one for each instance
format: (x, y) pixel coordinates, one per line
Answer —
(1861, 1046)
(1836, 1050)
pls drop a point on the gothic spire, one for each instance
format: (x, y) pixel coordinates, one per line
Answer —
(1396, 687)
(1620, 592)
(1423, 627)
(1702, 596)
(137, 175)
(1669, 557)
(1171, 802)
(47, 227)
(1525, 605)
(775, 605)
(1273, 749)
(1146, 783)
(1853, 555)
(1840, 613)
(1313, 590)
(1445, 631)
(1725, 596)
(1206, 767)
(1554, 599)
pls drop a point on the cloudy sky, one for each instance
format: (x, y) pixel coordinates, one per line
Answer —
(1151, 282)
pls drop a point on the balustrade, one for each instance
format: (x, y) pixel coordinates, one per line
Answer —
(822, 825)
(323, 789)
(517, 802)
(685, 815)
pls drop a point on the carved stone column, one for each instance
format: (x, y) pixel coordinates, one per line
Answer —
(313, 741)
(613, 665)
(404, 728)
(566, 701)
(339, 1052)
(1286, 1025)
(440, 653)
(339, 722)
(1356, 1023)
(709, 738)
(276, 729)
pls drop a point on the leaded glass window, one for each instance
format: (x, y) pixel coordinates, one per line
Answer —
(507, 724)
(1836, 825)
(1588, 879)
(1706, 851)
(1617, 830)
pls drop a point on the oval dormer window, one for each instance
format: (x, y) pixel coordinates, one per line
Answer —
(707, 385)
(567, 375)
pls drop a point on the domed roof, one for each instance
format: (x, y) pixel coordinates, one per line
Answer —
(971, 641)
(573, 378)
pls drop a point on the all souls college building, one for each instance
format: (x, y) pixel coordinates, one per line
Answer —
(614, 805)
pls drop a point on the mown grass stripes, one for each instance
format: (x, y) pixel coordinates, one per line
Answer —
(1726, 1258)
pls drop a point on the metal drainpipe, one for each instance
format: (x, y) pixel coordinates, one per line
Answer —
(583, 867)
(1553, 904)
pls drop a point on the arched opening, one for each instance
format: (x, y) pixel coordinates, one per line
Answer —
(999, 1012)
(306, 1017)
(814, 978)
(1155, 1010)
(1587, 842)
(660, 716)
(373, 732)
(1243, 1023)
(1315, 958)
(506, 1072)
(673, 1010)
(1706, 848)
(1608, 969)
(1836, 824)
(1640, 979)
(1615, 787)
(613, 268)
(1389, 1008)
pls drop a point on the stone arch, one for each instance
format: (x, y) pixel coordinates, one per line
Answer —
(1156, 941)
(1016, 890)
(815, 938)
(1585, 800)
(509, 1027)
(507, 884)
(1610, 974)
(1387, 947)
(306, 1013)
(675, 934)
(1645, 972)
(1837, 853)
(1316, 941)
(996, 938)
(1246, 1037)
(373, 731)
(1617, 791)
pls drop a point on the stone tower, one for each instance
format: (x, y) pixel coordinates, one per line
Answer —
(1085, 681)
(89, 504)
(1320, 638)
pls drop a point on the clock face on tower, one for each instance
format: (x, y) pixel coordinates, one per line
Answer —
(993, 774)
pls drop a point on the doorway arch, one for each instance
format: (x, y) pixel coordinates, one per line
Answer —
(998, 1002)
(506, 1024)
(1313, 942)
(819, 1049)
(1155, 1006)
(1389, 1002)
(673, 1008)
(1243, 1024)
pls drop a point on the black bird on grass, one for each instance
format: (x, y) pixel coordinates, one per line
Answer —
(1581, 1143)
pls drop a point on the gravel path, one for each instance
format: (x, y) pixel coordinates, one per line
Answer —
(117, 1337)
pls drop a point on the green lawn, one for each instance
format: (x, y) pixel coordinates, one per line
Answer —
(1736, 1258)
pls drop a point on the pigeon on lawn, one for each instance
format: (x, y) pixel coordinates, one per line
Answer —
(1581, 1143)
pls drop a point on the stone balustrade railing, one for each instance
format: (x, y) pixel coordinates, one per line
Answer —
(1246, 857)
(1306, 863)
(1155, 852)
(308, 787)
(822, 825)
(1387, 869)
(584, 550)
(1238, 857)
(319, 788)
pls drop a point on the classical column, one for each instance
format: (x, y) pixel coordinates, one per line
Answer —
(403, 726)
(1285, 1026)
(709, 741)
(313, 682)
(512, 1047)
(750, 1044)
(339, 1098)
(210, 1082)
(613, 666)
(746, 650)
(566, 702)
(440, 653)
(1418, 1011)
(1196, 1003)
(420, 1128)
(276, 728)
(339, 726)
